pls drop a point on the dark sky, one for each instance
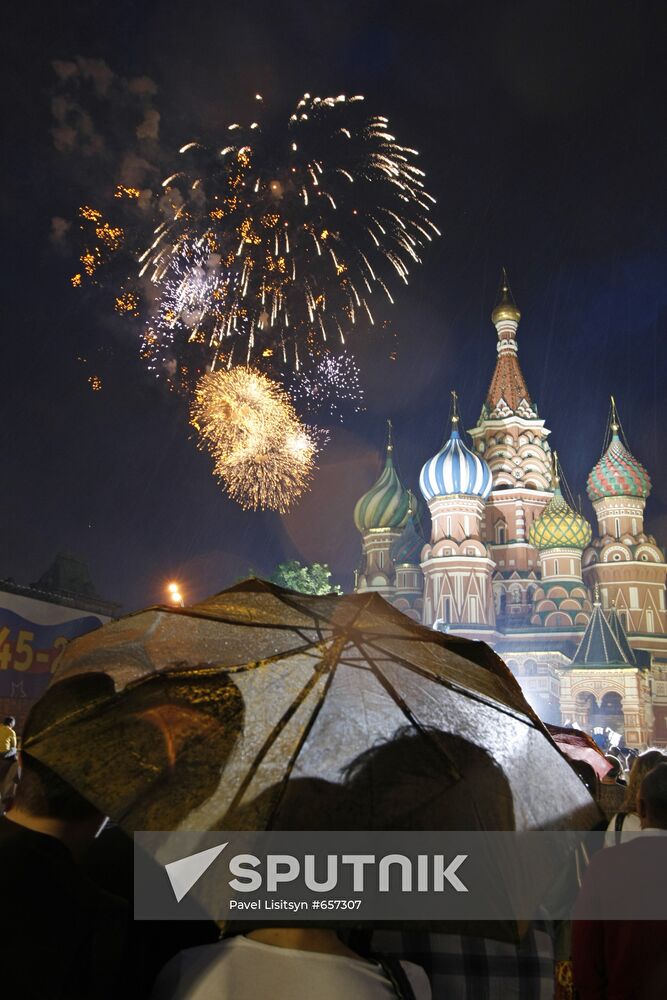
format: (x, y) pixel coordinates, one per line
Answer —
(541, 126)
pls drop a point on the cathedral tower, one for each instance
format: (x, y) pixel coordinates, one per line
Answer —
(380, 516)
(560, 534)
(512, 439)
(409, 580)
(624, 561)
(456, 564)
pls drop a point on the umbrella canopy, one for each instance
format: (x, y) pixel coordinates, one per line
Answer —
(578, 745)
(211, 716)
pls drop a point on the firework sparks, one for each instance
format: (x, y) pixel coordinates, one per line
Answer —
(308, 221)
(329, 384)
(262, 454)
(195, 288)
(102, 240)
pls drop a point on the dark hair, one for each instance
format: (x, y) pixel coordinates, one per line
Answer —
(641, 765)
(42, 792)
(653, 793)
(586, 772)
(10, 721)
(616, 766)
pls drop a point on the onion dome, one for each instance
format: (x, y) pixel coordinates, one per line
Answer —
(387, 504)
(618, 473)
(506, 307)
(558, 526)
(408, 548)
(455, 469)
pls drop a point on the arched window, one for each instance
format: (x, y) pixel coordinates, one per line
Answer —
(500, 532)
(617, 525)
(449, 526)
(381, 559)
(447, 609)
(649, 620)
(555, 567)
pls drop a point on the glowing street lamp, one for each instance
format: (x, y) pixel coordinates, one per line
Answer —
(175, 595)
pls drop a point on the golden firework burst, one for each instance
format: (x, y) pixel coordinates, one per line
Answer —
(262, 454)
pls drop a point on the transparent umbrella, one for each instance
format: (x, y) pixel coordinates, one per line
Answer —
(207, 717)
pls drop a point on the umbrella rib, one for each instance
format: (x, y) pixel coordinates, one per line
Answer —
(407, 712)
(306, 731)
(390, 689)
(453, 686)
(325, 664)
(92, 709)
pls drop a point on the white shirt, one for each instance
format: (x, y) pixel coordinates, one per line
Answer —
(630, 827)
(243, 969)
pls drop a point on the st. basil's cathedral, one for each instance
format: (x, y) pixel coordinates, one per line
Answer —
(580, 620)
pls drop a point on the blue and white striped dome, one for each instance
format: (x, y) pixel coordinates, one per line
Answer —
(455, 469)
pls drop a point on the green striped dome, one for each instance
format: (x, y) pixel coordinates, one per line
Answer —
(559, 527)
(387, 504)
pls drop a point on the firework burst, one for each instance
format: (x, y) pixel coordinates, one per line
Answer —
(306, 221)
(329, 383)
(195, 289)
(262, 454)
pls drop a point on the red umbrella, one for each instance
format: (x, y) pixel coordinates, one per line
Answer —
(577, 745)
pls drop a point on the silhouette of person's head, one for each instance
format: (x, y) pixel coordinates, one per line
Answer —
(652, 800)
(429, 780)
(425, 780)
(160, 745)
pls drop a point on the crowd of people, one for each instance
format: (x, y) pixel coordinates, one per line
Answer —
(66, 929)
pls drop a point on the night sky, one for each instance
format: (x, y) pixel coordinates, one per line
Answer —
(541, 127)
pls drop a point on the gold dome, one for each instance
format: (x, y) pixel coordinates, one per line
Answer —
(506, 307)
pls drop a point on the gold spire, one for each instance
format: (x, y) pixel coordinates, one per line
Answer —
(505, 307)
(615, 424)
(390, 443)
(556, 471)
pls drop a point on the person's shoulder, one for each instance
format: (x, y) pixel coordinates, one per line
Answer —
(651, 841)
(203, 954)
(18, 845)
(419, 981)
(186, 965)
(638, 851)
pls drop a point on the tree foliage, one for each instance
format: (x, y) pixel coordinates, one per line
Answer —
(313, 579)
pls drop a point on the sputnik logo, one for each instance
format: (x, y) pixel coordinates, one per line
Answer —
(185, 872)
